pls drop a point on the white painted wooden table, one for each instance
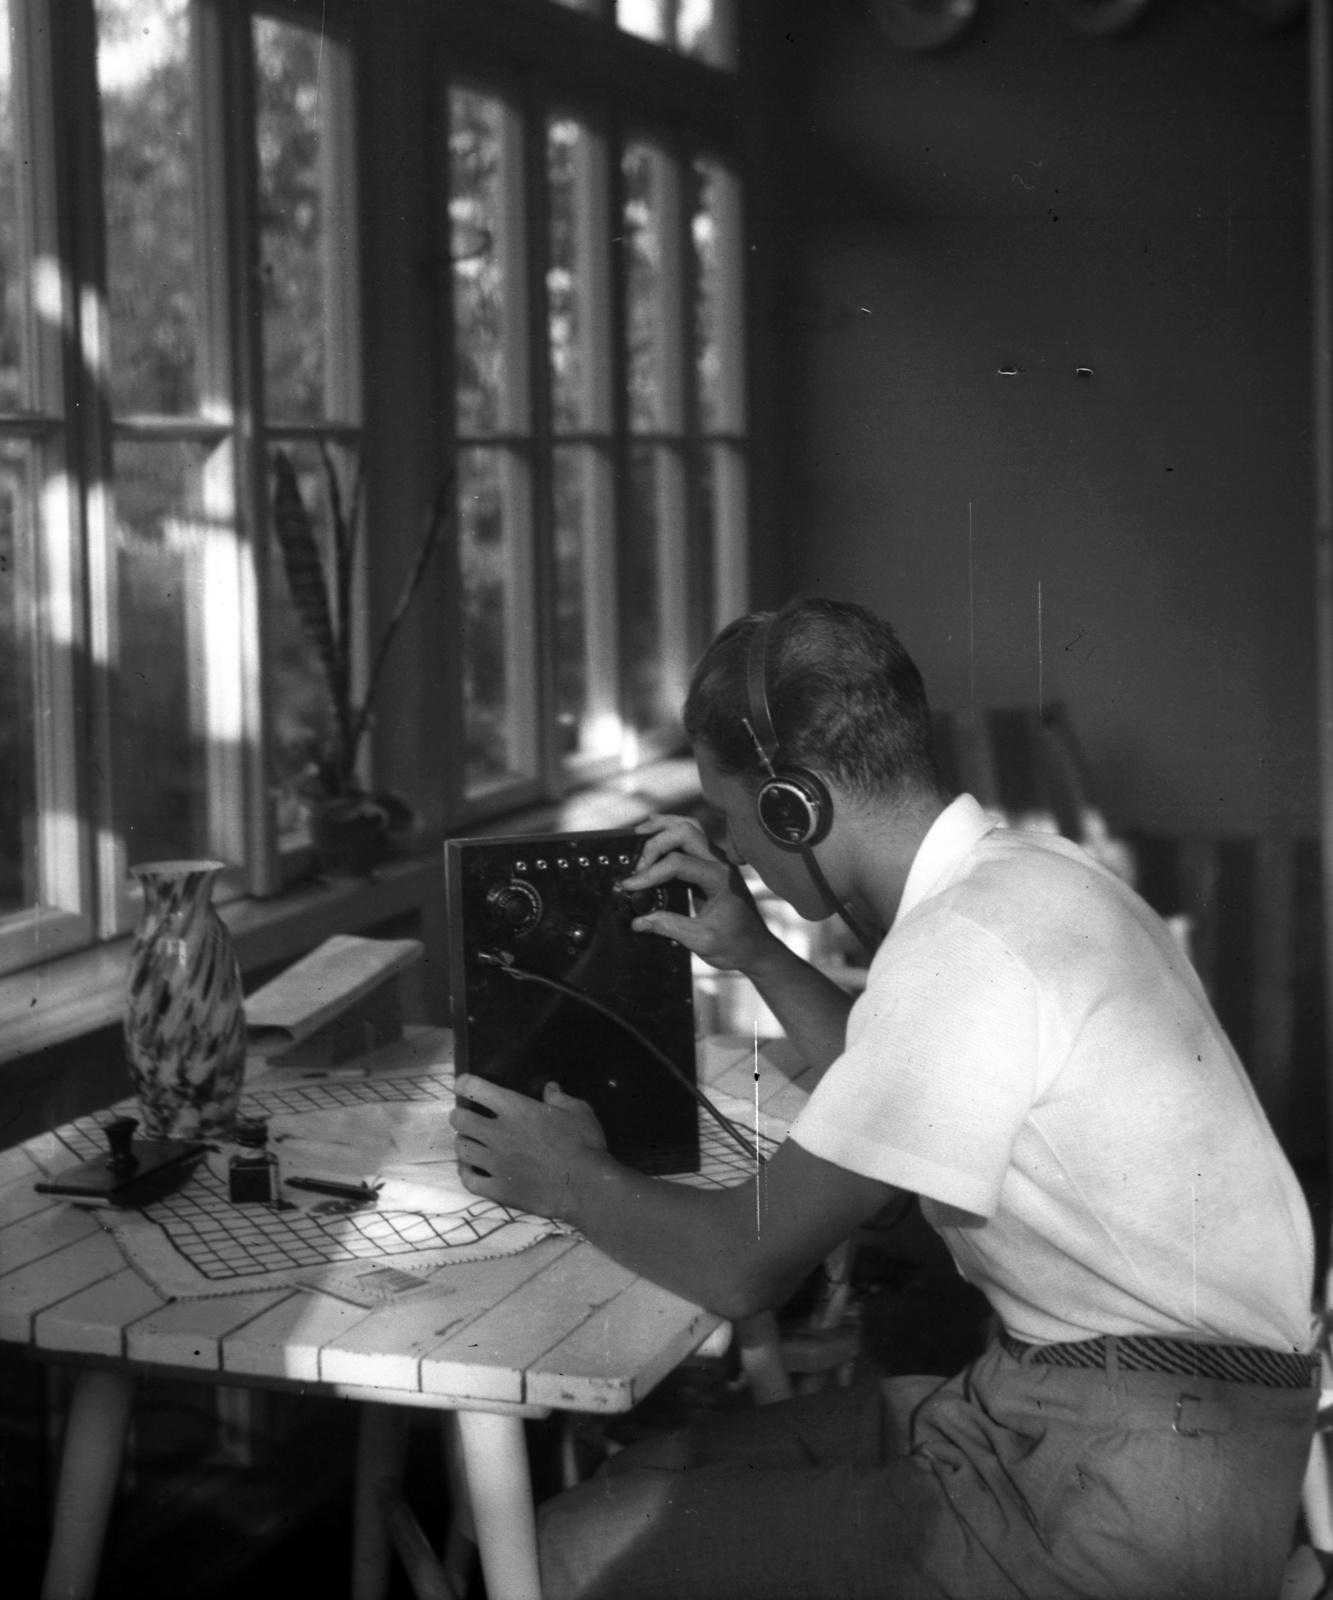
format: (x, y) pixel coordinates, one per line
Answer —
(556, 1327)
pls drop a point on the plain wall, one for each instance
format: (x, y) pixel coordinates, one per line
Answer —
(1136, 542)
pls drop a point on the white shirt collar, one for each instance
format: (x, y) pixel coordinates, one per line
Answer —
(957, 829)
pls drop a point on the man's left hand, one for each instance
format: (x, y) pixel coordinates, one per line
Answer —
(529, 1153)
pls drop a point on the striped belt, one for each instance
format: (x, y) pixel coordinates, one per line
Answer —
(1232, 1363)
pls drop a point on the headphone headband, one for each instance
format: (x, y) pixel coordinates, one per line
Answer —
(793, 806)
(756, 682)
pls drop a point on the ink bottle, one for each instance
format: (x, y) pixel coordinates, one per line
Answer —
(252, 1172)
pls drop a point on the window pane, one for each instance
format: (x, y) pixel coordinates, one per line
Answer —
(18, 608)
(645, 286)
(305, 729)
(697, 27)
(143, 74)
(494, 554)
(712, 517)
(645, 688)
(564, 287)
(292, 218)
(699, 30)
(709, 333)
(649, 19)
(13, 275)
(571, 611)
(161, 751)
(586, 689)
(576, 286)
(723, 585)
(485, 217)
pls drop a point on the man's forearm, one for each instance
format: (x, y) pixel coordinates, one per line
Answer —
(810, 1006)
(735, 1251)
(691, 1241)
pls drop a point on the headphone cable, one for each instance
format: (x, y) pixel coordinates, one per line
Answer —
(527, 975)
(834, 904)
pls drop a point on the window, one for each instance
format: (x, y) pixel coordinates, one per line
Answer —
(198, 409)
(309, 276)
(46, 902)
(598, 422)
(164, 518)
(139, 407)
(699, 28)
(183, 330)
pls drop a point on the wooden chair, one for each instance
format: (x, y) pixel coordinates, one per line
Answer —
(1311, 1561)
(384, 1524)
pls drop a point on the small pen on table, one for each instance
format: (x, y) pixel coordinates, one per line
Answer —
(342, 1191)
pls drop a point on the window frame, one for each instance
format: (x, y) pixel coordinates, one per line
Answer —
(85, 893)
(621, 88)
(543, 53)
(63, 917)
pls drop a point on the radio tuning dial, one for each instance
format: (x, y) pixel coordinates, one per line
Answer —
(515, 906)
(639, 902)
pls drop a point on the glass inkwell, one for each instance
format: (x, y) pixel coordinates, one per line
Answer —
(252, 1172)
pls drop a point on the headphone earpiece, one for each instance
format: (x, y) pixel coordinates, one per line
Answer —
(793, 805)
(795, 810)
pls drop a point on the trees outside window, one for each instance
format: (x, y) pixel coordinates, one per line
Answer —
(596, 375)
(181, 302)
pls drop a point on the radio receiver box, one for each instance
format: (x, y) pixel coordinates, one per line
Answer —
(548, 982)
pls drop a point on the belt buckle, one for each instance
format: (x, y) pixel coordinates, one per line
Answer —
(1212, 1417)
(1177, 1424)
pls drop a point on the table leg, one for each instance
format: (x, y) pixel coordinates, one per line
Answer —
(460, 1545)
(380, 1449)
(496, 1458)
(761, 1359)
(90, 1462)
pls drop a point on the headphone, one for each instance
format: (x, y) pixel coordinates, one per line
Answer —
(793, 805)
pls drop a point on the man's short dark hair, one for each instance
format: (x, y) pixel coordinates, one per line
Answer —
(846, 700)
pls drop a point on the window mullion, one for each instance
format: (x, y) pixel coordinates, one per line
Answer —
(535, 332)
(454, 719)
(63, 838)
(595, 210)
(235, 488)
(516, 466)
(93, 450)
(621, 443)
(731, 552)
(697, 555)
(344, 372)
(673, 335)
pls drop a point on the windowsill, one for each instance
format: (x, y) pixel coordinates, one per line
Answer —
(77, 994)
(74, 995)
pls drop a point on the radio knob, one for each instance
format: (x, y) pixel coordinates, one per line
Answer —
(515, 906)
(639, 902)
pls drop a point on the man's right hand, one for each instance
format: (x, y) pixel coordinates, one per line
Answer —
(726, 930)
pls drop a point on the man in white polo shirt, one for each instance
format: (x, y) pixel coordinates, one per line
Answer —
(1034, 1057)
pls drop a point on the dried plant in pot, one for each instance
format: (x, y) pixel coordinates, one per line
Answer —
(352, 827)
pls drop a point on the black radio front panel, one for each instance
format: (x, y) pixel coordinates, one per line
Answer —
(549, 904)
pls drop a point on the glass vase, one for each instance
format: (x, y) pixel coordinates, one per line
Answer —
(184, 1012)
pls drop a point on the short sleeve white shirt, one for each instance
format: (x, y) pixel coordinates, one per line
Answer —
(1035, 1057)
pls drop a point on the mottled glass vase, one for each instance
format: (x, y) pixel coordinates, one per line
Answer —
(184, 1013)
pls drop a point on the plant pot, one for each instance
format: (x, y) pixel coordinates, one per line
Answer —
(184, 1013)
(350, 834)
